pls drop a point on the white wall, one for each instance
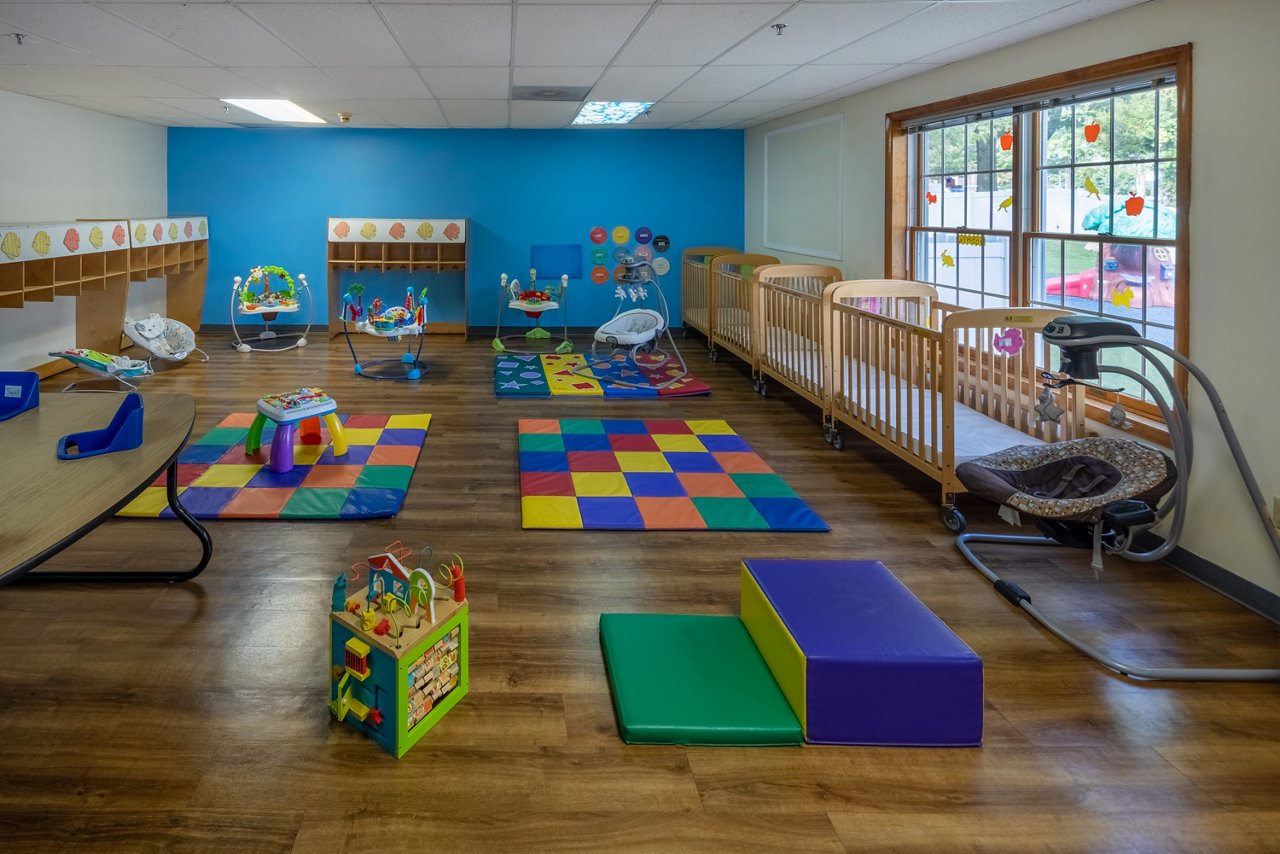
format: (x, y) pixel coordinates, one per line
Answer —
(63, 163)
(1235, 184)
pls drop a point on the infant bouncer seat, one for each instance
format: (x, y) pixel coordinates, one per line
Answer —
(637, 330)
(163, 337)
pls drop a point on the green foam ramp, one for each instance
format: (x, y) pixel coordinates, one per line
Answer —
(681, 679)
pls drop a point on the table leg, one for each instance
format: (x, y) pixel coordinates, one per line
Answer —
(206, 549)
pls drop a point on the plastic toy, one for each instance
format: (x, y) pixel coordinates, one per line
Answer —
(269, 304)
(392, 323)
(304, 405)
(398, 649)
(123, 433)
(116, 368)
(163, 337)
(533, 302)
(19, 391)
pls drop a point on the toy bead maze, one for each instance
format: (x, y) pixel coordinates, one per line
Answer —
(651, 475)
(217, 479)
(838, 650)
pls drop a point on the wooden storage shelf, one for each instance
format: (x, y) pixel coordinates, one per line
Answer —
(66, 271)
(412, 245)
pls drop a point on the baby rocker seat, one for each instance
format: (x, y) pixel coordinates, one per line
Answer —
(116, 368)
(163, 337)
(638, 328)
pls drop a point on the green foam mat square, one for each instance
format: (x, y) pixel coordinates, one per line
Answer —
(681, 679)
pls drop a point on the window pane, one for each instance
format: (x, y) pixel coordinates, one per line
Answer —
(1135, 126)
(979, 157)
(979, 215)
(1055, 200)
(1002, 201)
(944, 264)
(1168, 122)
(1092, 195)
(1046, 272)
(933, 152)
(932, 203)
(1167, 199)
(953, 149)
(996, 270)
(1002, 132)
(953, 202)
(1093, 131)
(1131, 215)
(1057, 137)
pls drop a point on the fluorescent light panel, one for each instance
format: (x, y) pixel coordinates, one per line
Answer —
(278, 110)
(610, 112)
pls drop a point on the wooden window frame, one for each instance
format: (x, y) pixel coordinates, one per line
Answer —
(897, 249)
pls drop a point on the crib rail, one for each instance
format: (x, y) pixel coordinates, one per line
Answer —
(992, 360)
(695, 277)
(731, 302)
(787, 331)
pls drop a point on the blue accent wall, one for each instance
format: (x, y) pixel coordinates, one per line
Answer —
(268, 194)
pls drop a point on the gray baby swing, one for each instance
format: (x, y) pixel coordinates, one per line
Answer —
(1103, 493)
(637, 330)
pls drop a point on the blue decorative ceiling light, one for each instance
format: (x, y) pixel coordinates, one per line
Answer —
(610, 112)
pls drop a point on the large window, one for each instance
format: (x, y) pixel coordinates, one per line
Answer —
(1066, 192)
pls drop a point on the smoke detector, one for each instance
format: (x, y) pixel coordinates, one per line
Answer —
(344, 118)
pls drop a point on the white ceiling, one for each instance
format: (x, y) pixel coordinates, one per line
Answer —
(434, 63)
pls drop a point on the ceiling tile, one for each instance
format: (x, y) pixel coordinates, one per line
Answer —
(445, 35)
(573, 35)
(381, 82)
(694, 34)
(295, 82)
(464, 83)
(809, 81)
(674, 112)
(1028, 29)
(938, 27)
(893, 72)
(418, 113)
(107, 81)
(39, 51)
(363, 115)
(640, 83)
(475, 114)
(213, 82)
(331, 35)
(741, 110)
(726, 82)
(557, 76)
(542, 114)
(220, 33)
(814, 29)
(91, 29)
(720, 125)
(212, 108)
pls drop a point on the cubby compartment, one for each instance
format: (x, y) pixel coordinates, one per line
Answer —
(342, 252)
(369, 255)
(397, 256)
(11, 285)
(38, 280)
(426, 255)
(453, 256)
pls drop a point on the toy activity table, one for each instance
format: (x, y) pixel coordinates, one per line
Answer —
(305, 406)
(53, 503)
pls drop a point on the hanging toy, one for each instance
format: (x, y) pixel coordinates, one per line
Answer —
(1118, 417)
(453, 577)
(1047, 409)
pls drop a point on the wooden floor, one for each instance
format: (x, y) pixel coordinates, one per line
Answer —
(192, 718)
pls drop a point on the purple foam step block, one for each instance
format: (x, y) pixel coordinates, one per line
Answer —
(880, 668)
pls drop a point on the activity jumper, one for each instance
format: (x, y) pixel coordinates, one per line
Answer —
(398, 647)
(253, 296)
(392, 323)
(534, 302)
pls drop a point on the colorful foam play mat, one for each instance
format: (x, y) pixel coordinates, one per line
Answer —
(576, 374)
(217, 480)
(651, 475)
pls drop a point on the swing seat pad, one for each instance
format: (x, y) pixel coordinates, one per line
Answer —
(638, 326)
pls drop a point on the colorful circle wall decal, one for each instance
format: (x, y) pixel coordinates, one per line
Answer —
(661, 266)
(643, 234)
(620, 274)
(662, 243)
(599, 275)
(598, 234)
(644, 253)
(599, 255)
(620, 252)
(621, 234)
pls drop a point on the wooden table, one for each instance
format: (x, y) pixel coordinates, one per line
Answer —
(49, 503)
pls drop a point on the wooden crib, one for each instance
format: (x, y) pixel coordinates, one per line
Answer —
(937, 385)
(695, 279)
(787, 328)
(730, 303)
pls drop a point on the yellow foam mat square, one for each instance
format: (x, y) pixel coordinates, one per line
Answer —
(421, 422)
(227, 475)
(642, 461)
(550, 511)
(600, 484)
(713, 427)
(150, 502)
(679, 442)
(362, 435)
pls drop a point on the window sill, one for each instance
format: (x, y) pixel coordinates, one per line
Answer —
(1138, 426)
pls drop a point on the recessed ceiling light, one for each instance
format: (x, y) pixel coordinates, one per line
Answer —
(278, 110)
(610, 112)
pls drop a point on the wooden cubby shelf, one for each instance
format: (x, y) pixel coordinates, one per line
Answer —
(369, 246)
(93, 261)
